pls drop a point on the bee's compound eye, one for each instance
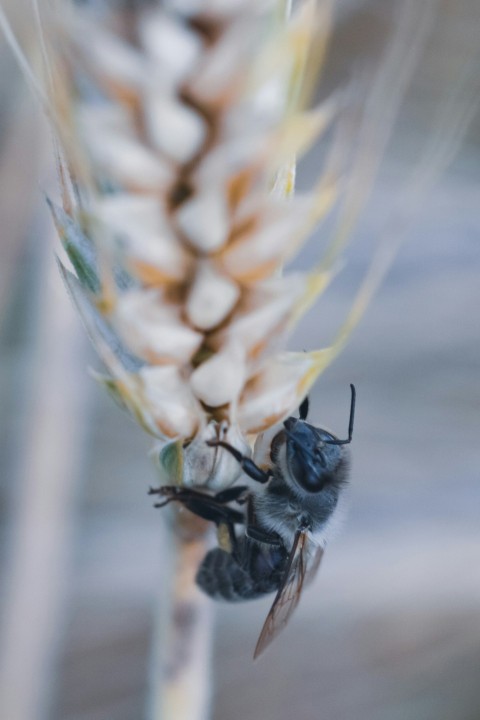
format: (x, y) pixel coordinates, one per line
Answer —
(305, 458)
(310, 477)
(307, 469)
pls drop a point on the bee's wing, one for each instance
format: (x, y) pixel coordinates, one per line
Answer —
(313, 565)
(288, 594)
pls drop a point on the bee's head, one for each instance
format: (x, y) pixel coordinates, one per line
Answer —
(312, 454)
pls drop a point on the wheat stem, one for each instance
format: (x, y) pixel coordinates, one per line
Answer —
(181, 678)
(181, 659)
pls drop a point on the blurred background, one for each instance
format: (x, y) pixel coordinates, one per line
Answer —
(391, 628)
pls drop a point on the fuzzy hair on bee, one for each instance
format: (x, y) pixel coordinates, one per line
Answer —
(275, 541)
(281, 503)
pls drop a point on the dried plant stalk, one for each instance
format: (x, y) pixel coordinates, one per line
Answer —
(181, 670)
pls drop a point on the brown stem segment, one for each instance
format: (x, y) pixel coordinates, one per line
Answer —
(182, 688)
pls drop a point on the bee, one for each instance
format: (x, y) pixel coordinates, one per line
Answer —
(274, 540)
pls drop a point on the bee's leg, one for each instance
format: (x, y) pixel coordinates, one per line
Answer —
(176, 492)
(233, 494)
(215, 513)
(205, 506)
(262, 536)
(216, 505)
(246, 463)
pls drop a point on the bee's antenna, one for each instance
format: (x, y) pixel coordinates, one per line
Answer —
(303, 409)
(350, 422)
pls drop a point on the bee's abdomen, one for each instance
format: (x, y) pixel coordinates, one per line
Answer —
(222, 577)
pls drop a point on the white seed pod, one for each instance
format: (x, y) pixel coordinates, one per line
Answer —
(275, 236)
(150, 249)
(170, 401)
(248, 142)
(212, 467)
(277, 390)
(263, 313)
(204, 219)
(170, 45)
(223, 70)
(108, 135)
(173, 128)
(211, 297)
(152, 328)
(222, 9)
(116, 65)
(219, 380)
(226, 469)
(230, 156)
